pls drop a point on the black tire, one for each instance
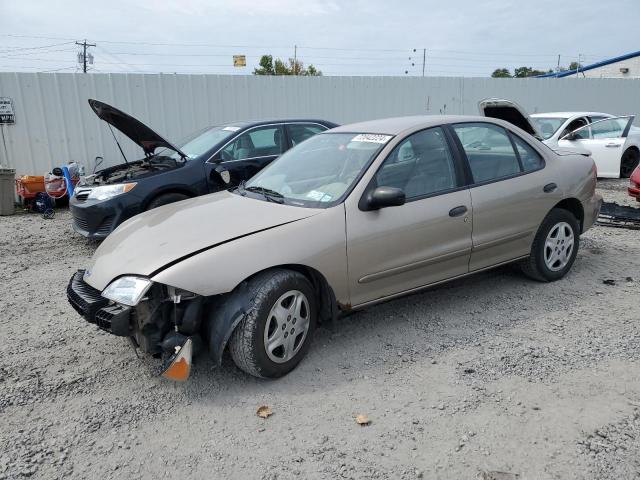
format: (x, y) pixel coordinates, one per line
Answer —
(247, 343)
(165, 199)
(535, 266)
(629, 162)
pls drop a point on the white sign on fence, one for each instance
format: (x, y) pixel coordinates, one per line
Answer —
(6, 111)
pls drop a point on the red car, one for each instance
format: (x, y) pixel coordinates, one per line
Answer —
(634, 184)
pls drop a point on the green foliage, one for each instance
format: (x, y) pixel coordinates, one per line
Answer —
(522, 72)
(281, 67)
(501, 73)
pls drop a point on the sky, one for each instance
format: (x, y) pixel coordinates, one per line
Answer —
(349, 37)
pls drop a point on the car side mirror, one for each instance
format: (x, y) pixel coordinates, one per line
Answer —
(382, 197)
(225, 175)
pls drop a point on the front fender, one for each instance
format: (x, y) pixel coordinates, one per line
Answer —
(317, 242)
(224, 315)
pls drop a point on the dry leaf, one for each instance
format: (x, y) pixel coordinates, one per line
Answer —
(363, 420)
(264, 412)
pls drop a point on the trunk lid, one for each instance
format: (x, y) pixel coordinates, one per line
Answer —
(133, 128)
(509, 112)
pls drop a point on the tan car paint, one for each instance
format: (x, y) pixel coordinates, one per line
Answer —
(317, 242)
(148, 242)
(317, 238)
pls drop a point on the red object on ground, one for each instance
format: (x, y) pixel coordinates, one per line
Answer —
(28, 186)
(634, 184)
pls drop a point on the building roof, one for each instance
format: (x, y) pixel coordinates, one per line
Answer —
(602, 63)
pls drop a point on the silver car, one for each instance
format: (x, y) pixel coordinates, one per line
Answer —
(355, 216)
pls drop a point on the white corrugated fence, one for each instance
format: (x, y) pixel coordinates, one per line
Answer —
(54, 124)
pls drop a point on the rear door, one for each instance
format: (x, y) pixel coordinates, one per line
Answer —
(511, 192)
(605, 139)
(298, 132)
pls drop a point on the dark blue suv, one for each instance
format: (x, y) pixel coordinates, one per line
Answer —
(213, 159)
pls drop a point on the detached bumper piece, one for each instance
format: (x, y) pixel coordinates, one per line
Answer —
(94, 308)
(621, 216)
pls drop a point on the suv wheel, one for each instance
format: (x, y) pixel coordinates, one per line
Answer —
(554, 248)
(278, 327)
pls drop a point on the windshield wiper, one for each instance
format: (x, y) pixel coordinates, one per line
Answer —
(270, 195)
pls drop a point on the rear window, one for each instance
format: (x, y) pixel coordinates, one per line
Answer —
(548, 125)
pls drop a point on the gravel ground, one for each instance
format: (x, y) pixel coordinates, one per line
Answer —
(493, 377)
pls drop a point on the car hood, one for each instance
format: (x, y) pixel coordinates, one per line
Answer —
(154, 240)
(133, 128)
(509, 112)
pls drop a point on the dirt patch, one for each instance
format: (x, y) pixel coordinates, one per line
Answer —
(493, 376)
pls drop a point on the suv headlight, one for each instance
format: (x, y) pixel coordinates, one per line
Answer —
(127, 290)
(105, 192)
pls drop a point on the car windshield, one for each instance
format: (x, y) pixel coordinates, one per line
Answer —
(319, 171)
(200, 142)
(548, 125)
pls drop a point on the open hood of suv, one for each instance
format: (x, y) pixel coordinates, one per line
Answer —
(509, 112)
(132, 128)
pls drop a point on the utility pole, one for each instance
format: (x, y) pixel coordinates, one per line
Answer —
(295, 60)
(424, 59)
(558, 67)
(84, 46)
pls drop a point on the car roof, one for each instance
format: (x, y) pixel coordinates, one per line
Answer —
(255, 123)
(396, 125)
(567, 114)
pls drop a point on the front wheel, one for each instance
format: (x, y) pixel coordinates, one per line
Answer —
(554, 248)
(276, 331)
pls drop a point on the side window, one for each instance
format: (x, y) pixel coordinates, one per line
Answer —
(259, 142)
(489, 151)
(612, 128)
(575, 125)
(421, 165)
(299, 132)
(531, 160)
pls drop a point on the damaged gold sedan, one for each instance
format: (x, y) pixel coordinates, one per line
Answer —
(360, 214)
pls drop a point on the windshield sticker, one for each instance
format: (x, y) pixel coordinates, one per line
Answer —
(371, 138)
(231, 129)
(318, 196)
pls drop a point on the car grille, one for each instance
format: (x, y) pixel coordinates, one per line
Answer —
(105, 226)
(82, 194)
(80, 222)
(115, 319)
(85, 299)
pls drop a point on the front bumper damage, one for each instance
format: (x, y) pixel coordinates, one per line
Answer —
(160, 326)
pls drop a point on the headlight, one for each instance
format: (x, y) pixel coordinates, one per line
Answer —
(106, 192)
(127, 290)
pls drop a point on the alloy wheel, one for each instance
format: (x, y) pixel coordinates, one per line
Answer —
(287, 326)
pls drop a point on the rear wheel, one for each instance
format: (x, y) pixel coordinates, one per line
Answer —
(629, 162)
(277, 329)
(554, 248)
(165, 199)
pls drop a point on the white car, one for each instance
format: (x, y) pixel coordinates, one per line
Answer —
(612, 141)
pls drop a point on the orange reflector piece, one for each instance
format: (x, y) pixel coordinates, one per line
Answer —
(180, 368)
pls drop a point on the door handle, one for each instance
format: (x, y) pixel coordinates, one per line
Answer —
(457, 211)
(549, 187)
(612, 145)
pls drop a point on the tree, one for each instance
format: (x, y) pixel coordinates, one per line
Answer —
(281, 67)
(501, 73)
(575, 66)
(522, 72)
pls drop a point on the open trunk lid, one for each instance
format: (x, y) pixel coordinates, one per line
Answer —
(509, 112)
(137, 131)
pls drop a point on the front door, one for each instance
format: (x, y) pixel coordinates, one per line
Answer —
(244, 156)
(428, 239)
(605, 139)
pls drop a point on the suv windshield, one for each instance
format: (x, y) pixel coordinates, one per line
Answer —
(548, 125)
(318, 171)
(200, 142)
